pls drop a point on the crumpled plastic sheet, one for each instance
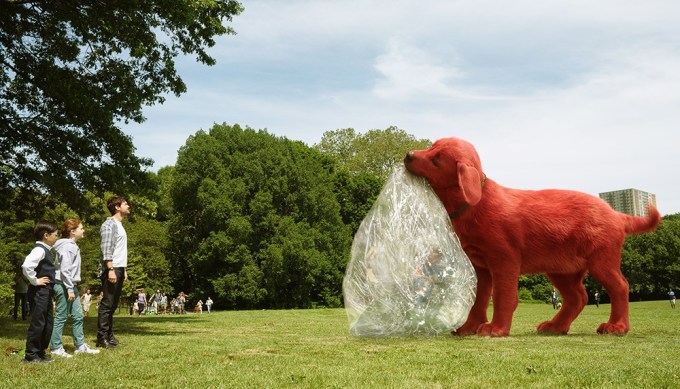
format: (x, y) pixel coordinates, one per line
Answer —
(408, 275)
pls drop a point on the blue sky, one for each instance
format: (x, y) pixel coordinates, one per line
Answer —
(576, 95)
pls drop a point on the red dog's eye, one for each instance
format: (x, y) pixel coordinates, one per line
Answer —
(434, 160)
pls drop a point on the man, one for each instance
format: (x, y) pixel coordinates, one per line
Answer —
(114, 272)
(671, 296)
(20, 293)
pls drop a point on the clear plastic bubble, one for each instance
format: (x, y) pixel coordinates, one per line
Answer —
(408, 275)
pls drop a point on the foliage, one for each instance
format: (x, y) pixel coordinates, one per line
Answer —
(374, 152)
(651, 262)
(537, 287)
(163, 183)
(148, 266)
(256, 222)
(70, 73)
(356, 195)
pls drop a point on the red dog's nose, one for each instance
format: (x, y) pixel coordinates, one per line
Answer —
(409, 157)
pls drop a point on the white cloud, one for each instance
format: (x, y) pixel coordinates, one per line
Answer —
(409, 73)
(579, 94)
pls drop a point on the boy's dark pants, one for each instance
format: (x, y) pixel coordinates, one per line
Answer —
(109, 303)
(42, 319)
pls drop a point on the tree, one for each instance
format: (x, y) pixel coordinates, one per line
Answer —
(374, 152)
(651, 262)
(363, 163)
(148, 266)
(355, 194)
(256, 222)
(71, 72)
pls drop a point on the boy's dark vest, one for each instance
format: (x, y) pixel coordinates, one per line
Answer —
(46, 267)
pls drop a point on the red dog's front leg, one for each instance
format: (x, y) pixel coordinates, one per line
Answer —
(505, 301)
(477, 315)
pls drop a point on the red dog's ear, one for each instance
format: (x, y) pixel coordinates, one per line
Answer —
(470, 184)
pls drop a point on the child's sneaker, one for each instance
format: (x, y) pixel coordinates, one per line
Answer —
(60, 352)
(85, 349)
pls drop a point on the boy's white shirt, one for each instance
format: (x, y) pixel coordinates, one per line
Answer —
(31, 262)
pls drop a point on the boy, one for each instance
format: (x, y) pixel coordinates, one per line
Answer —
(39, 270)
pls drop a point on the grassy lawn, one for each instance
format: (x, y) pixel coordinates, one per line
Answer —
(313, 349)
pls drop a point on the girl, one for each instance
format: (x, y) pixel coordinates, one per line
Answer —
(66, 291)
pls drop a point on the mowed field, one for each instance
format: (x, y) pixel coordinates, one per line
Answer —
(313, 349)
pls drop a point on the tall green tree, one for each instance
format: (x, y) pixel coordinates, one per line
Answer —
(356, 194)
(256, 222)
(374, 152)
(71, 72)
(651, 262)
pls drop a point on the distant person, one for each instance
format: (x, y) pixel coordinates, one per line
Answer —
(114, 260)
(86, 300)
(671, 297)
(156, 301)
(141, 301)
(181, 300)
(39, 270)
(20, 295)
(208, 304)
(66, 290)
(199, 305)
(164, 304)
(555, 297)
(597, 299)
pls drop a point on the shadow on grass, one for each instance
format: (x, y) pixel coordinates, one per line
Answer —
(16, 330)
(180, 324)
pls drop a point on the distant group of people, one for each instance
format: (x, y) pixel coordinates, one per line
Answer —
(557, 304)
(158, 304)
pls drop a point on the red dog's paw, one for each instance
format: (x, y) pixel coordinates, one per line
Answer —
(489, 329)
(467, 329)
(612, 328)
(549, 327)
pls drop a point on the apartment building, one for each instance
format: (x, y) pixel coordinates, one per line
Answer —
(631, 201)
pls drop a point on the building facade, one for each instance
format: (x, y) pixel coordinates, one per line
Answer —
(631, 201)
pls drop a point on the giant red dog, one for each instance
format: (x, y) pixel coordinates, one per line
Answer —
(507, 232)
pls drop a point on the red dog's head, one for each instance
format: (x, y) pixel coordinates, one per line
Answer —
(452, 168)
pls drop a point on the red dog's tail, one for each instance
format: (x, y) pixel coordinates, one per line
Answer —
(639, 225)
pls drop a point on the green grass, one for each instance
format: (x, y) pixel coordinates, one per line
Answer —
(312, 349)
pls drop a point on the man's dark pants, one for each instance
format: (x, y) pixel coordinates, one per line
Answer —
(109, 303)
(20, 300)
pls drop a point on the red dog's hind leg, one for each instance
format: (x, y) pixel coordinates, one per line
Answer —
(617, 288)
(477, 315)
(574, 298)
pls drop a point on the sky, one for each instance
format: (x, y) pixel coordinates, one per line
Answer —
(578, 95)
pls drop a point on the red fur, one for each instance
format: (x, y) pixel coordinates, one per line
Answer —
(507, 232)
